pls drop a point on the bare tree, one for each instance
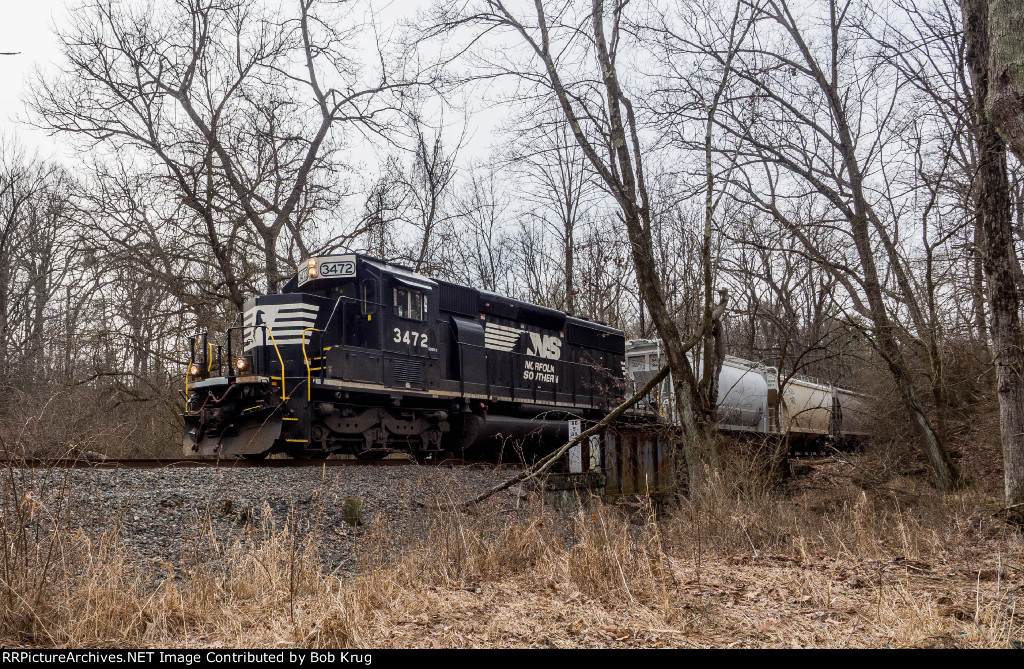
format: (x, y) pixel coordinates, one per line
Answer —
(38, 246)
(994, 211)
(573, 58)
(690, 97)
(803, 118)
(235, 109)
(427, 190)
(480, 254)
(382, 212)
(1005, 64)
(549, 160)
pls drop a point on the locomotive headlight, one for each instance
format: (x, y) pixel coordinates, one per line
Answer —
(195, 370)
(312, 268)
(242, 365)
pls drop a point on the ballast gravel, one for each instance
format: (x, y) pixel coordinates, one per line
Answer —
(177, 513)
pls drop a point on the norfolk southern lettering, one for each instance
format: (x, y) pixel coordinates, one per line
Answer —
(542, 372)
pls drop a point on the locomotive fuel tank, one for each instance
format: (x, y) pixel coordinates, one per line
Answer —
(511, 436)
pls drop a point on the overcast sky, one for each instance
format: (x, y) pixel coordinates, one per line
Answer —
(27, 28)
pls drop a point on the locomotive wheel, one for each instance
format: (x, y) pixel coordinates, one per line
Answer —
(256, 456)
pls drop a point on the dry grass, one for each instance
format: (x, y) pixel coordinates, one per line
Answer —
(821, 561)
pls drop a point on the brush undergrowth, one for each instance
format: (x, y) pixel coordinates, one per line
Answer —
(743, 560)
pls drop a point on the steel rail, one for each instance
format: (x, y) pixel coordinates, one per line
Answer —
(227, 463)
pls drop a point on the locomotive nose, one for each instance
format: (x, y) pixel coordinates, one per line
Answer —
(220, 434)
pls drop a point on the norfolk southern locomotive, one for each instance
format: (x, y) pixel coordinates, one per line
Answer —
(359, 356)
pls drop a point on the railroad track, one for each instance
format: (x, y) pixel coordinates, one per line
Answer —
(228, 463)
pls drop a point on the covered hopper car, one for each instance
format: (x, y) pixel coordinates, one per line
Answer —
(749, 400)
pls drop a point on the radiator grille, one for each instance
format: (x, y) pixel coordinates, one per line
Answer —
(407, 371)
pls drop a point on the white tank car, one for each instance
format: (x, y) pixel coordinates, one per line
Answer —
(806, 407)
(853, 419)
(743, 387)
(748, 396)
(743, 396)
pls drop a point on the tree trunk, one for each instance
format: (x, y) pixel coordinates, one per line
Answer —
(862, 219)
(570, 298)
(1004, 102)
(698, 444)
(946, 475)
(978, 284)
(993, 210)
(270, 255)
(621, 170)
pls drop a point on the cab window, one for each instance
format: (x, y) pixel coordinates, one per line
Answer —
(411, 304)
(342, 290)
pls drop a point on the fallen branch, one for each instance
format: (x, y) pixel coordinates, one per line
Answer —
(1011, 512)
(548, 460)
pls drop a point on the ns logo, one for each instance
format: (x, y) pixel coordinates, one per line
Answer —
(544, 346)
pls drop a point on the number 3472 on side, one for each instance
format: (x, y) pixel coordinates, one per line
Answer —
(409, 337)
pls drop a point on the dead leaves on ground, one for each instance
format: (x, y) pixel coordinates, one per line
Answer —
(777, 600)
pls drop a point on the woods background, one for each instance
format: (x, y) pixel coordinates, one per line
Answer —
(835, 167)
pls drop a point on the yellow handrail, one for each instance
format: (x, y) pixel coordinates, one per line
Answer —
(309, 371)
(284, 397)
(188, 367)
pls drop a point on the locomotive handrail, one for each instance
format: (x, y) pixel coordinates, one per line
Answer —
(326, 328)
(305, 358)
(323, 358)
(209, 356)
(188, 365)
(284, 397)
(266, 330)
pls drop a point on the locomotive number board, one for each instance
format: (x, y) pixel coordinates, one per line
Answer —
(329, 267)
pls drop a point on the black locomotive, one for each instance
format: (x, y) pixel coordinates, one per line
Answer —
(359, 356)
